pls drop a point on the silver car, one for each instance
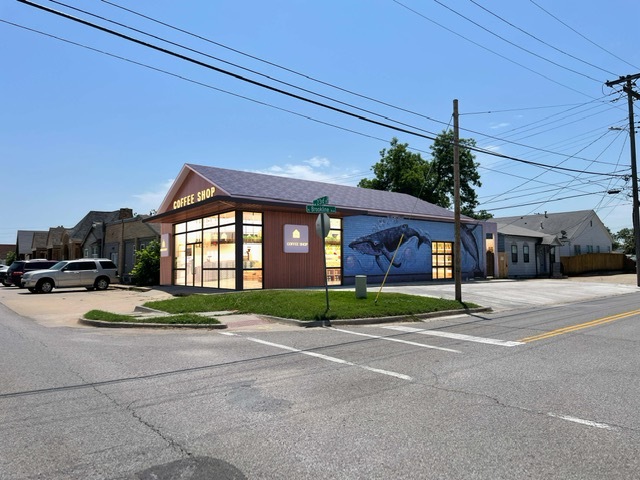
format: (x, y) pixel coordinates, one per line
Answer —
(91, 273)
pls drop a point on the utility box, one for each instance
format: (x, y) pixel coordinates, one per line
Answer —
(361, 286)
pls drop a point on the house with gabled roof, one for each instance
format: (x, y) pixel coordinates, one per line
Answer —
(39, 245)
(24, 243)
(232, 229)
(525, 253)
(578, 232)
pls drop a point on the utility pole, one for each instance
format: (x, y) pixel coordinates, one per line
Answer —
(631, 94)
(457, 260)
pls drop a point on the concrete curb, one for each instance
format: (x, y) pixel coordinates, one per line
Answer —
(101, 323)
(375, 320)
(288, 321)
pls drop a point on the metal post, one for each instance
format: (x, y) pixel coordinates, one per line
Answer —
(457, 261)
(324, 263)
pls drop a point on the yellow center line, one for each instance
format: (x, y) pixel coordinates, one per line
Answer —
(580, 326)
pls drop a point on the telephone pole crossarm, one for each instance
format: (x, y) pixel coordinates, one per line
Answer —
(626, 78)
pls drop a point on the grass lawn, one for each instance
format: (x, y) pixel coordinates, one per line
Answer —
(185, 318)
(308, 305)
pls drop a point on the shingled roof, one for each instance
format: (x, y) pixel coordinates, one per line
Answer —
(564, 225)
(259, 187)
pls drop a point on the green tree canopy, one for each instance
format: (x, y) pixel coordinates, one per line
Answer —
(626, 240)
(400, 170)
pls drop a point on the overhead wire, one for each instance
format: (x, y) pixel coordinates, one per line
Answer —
(520, 47)
(276, 89)
(582, 36)
(536, 72)
(538, 39)
(306, 116)
(278, 66)
(273, 64)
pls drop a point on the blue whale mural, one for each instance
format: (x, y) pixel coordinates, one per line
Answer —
(386, 242)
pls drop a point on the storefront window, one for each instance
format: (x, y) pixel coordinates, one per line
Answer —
(441, 260)
(333, 252)
(227, 218)
(194, 225)
(204, 251)
(252, 250)
(210, 222)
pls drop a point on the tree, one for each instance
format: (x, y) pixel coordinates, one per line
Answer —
(626, 240)
(10, 258)
(400, 170)
(146, 271)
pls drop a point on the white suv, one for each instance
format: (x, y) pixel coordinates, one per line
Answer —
(91, 273)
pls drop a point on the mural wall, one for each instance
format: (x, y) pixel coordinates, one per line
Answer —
(371, 244)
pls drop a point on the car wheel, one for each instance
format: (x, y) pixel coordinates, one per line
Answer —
(45, 286)
(102, 284)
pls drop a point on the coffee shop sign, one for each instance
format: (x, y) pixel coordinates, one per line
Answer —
(194, 197)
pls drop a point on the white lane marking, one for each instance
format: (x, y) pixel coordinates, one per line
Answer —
(331, 359)
(458, 336)
(407, 342)
(581, 421)
(228, 333)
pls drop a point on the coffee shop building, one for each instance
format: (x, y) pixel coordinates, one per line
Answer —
(237, 230)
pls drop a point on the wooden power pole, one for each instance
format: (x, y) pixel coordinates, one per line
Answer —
(631, 94)
(457, 260)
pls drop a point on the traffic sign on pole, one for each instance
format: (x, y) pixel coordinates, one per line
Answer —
(323, 225)
(321, 209)
(321, 201)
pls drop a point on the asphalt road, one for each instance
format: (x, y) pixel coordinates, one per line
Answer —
(542, 391)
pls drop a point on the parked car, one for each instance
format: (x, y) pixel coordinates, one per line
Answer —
(3, 274)
(18, 268)
(91, 273)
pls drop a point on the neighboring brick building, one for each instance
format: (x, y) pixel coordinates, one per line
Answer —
(124, 237)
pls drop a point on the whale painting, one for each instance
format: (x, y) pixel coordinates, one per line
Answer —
(385, 243)
(372, 244)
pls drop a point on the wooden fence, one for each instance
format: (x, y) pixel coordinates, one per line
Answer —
(596, 262)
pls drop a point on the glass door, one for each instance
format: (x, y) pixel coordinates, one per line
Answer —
(194, 264)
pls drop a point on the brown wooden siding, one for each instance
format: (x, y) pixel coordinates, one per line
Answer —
(291, 270)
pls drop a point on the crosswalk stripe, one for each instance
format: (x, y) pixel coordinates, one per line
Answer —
(457, 336)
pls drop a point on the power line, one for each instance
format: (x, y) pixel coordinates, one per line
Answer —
(255, 72)
(284, 92)
(273, 64)
(542, 202)
(515, 44)
(538, 39)
(536, 72)
(583, 36)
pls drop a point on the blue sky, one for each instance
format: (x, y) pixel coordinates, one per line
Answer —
(82, 130)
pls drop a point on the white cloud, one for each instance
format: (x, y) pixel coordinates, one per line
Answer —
(495, 126)
(318, 162)
(318, 169)
(147, 201)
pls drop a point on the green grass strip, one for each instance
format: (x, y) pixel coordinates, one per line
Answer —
(183, 318)
(308, 305)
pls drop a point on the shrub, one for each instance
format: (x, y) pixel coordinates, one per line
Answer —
(146, 271)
